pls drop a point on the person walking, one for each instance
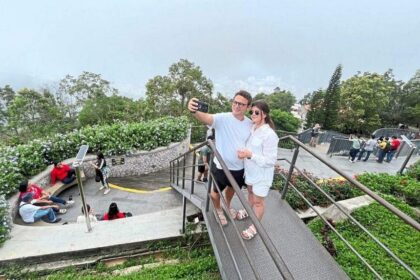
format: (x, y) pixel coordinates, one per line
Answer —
(203, 162)
(368, 148)
(314, 135)
(260, 156)
(355, 148)
(102, 172)
(232, 129)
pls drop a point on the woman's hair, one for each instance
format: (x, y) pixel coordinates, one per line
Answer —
(23, 186)
(113, 211)
(100, 155)
(88, 209)
(263, 106)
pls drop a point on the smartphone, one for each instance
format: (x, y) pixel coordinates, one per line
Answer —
(202, 106)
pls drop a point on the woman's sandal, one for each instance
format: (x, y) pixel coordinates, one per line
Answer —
(242, 214)
(232, 213)
(249, 233)
(221, 216)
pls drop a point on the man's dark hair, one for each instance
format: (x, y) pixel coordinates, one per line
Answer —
(244, 94)
(394, 137)
(56, 162)
(23, 186)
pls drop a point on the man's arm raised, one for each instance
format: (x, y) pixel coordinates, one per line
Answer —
(201, 116)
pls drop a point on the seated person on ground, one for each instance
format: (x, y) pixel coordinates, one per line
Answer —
(41, 197)
(62, 172)
(82, 219)
(114, 213)
(31, 213)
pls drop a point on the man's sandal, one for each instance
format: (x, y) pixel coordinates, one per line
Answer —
(249, 233)
(221, 217)
(62, 211)
(242, 214)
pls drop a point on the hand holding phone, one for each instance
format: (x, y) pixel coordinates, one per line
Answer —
(202, 106)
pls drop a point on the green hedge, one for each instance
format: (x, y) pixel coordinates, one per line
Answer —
(4, 220)
(413, 171)
(401, 238)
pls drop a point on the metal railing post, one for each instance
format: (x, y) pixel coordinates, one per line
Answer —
(292, 166)
(77, 163)
(184, 211)
(406, 161)
(183, 173)
(193, 173)
(209, 183)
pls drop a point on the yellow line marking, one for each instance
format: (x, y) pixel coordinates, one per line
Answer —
(164, 189)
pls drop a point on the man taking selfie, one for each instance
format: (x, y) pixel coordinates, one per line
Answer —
(232, 129)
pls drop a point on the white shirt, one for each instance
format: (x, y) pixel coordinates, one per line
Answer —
(27, 212)
(81, 219)
(231, 135)
(370, 144)
(263, 145)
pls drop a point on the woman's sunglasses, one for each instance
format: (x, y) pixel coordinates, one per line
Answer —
(254, 112)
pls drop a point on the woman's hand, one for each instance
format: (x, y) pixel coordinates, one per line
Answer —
(244, 153)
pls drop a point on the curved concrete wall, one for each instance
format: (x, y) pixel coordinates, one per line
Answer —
(142, 162)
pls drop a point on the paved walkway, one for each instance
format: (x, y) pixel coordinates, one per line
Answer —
(319, 169)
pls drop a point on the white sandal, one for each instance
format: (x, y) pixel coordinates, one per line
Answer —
(249, 233)
(221, 217)
(242, 214)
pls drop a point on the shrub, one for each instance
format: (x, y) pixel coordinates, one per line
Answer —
(404, 187)
(401, 238)
(4, 220)
(413, 171)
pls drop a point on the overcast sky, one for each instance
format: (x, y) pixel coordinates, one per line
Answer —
(252, 45)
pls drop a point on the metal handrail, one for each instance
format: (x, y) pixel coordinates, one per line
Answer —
(278, 261)
(407, 219)
(377, 241)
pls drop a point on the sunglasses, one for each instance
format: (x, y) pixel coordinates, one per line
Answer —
(239, 104)
(254, 112)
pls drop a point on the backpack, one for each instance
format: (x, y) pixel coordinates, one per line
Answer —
(388, 146)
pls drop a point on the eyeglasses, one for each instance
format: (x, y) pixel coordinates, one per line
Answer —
(239, 103)
(254, 112)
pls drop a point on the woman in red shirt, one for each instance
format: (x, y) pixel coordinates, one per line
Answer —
(113, 213)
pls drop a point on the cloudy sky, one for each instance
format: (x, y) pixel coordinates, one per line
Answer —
(253, 45)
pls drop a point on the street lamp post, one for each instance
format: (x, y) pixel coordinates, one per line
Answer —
(77, 164)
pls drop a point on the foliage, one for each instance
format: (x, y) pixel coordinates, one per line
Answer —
(109, 109)
(284, 120)
(5, 222)
(413, 171)
(168, 95)
(316, 111)
(401, 238)
(411, 100)
(403, 187)
(363, 99)
(332, 100)
(279, 99)
(29, 159)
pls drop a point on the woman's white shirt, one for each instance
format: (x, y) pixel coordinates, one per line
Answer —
(259, 169)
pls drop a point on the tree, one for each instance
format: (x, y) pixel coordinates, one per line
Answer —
(332, 100)
(364, 97)
(32, 114)
(168, 95)
(106, 110)
(73, 92)
(284, 120)
(281, 99)
(411, 101)
(6, 96)
(316, 111)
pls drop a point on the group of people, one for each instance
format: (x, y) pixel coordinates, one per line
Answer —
(249, 149)
(36, 204)
(386, 148)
